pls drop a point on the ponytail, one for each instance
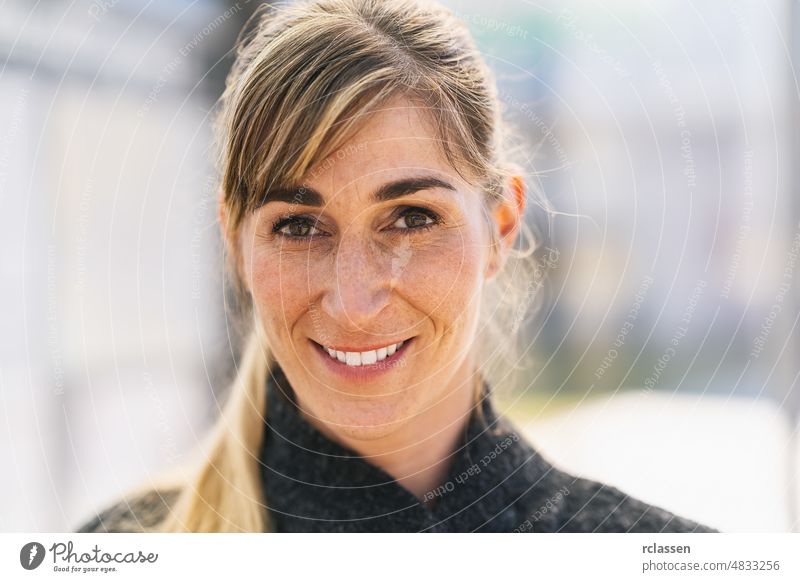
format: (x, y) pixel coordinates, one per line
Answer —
(223, 492)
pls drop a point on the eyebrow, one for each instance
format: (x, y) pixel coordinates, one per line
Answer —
(306, 196)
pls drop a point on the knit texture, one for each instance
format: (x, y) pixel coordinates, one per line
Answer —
(138, 515)
(497, 483)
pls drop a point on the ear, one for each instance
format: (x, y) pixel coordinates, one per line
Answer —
(506, 218)
(228, 236)
(228, 239)
(222, 214)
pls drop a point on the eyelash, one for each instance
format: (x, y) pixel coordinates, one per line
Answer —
(307, 220)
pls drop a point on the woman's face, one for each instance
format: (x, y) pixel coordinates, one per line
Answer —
(382, 244)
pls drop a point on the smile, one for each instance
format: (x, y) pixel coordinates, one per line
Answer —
(363, 358)
(363, 364)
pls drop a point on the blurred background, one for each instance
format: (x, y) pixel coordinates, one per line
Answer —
(664, 360)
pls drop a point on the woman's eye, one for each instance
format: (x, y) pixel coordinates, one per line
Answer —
(415, 218)
(295, 227)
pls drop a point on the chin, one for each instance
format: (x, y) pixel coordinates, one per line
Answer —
(368, 418)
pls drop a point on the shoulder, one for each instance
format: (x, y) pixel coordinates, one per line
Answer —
(139, 513)
(591, 506)
(557, 501)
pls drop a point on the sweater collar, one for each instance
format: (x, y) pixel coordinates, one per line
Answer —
(311, 483)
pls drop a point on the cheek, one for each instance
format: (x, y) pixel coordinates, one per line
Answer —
(279, 284)
(444, 276)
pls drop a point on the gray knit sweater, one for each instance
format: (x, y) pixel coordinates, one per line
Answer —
(497, 483)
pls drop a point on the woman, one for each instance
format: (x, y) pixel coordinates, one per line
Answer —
(370, 213)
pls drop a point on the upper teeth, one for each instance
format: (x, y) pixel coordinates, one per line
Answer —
(365, 358)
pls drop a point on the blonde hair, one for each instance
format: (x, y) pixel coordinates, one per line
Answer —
(303, 77)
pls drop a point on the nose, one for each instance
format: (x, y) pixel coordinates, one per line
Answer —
(361, 285)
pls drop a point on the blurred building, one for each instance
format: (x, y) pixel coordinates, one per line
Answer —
(112, 319)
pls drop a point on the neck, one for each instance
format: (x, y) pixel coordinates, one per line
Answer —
(418, 464)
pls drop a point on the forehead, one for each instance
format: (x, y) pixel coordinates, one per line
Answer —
(397, 139)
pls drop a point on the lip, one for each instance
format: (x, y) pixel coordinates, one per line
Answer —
(363, 349)
(364, 372)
